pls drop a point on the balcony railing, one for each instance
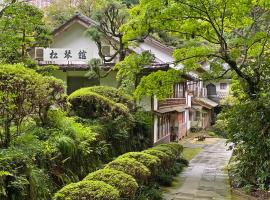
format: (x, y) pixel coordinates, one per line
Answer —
(199, 92)
(172, 102)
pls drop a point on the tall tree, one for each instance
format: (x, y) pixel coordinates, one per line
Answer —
(232, 36)
(22, 28)
(110, 18)
(233, 32)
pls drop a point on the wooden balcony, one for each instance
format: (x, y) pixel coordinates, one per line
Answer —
(172, 102)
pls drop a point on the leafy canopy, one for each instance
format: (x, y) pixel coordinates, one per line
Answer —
(22, 27)
(231, 32)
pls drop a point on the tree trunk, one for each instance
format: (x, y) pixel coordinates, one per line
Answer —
(7, 134)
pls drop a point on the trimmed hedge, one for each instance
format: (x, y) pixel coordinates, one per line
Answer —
(113, 94)
(126, 184)
(87, 190)
(165, 158)
(121, 173)
(151, 162)
(132, 167)
(87, 104)
(175, 147)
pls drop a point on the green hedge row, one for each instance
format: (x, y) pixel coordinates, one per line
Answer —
(121, 178)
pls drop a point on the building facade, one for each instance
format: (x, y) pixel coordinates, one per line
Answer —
(189, 106)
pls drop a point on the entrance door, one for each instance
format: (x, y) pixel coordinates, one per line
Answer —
(182, 125)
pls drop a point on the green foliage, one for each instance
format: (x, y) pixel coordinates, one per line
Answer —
(113, 94)
(89, 104)
(88, 190)
(158, 84)
(165, 158)
(23, 180)
(130, 67)
(24, 93)
(252, 142)
(22, 28)
(110, 17)
(125, 184)
(151, 162)
(166, 150)
(152, 192)
(215, 32)
(175, 147)
(111, 109)
(132, 167)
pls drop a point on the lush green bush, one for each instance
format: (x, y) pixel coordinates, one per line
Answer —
(132, 167)
(175, 147)
(116, 118)
(88, 104)
(165, 158)
(166, 150)
(88, 190)
(24, 94)
(113, 94)
(252, 142)
(151, 162)
(126, 184)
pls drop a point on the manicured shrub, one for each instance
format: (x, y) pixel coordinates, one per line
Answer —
(175, 147)
(87, 190)
(166, 150)
(132, 167)
(126, 184)
(113, 94)
(151, 162)
(165, 158)
(91, 105)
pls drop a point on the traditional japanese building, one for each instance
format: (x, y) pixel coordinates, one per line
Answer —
(71, 50)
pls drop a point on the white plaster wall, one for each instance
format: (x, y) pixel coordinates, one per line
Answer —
(75, 38)
(162, 55)
(227, 90)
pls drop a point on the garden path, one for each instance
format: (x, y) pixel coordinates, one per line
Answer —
(206, 177)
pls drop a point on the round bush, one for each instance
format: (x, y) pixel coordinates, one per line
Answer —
(175, 147)
(166, 150)
(113, 94)
(165, 158)
(88, 104)
(87, 190)
(151, 162)
(132, 167)
(126, 184)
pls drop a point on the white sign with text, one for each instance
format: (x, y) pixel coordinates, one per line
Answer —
(57, 54)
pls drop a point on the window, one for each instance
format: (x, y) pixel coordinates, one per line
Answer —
(223, 86)
(163, 126)
(179, 90)
(198, 116)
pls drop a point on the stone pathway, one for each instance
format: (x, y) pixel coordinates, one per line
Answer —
(205, 178)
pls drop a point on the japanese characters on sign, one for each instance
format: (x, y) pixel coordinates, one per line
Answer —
(53, 54)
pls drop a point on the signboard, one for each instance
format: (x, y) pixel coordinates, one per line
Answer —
(56, 54)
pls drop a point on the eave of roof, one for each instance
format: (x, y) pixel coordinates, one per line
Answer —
(86, 21)
(205, 102)
(173, 109)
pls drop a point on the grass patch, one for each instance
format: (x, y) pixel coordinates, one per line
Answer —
(190, 153)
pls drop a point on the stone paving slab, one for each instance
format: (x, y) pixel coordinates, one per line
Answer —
(205, 178)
